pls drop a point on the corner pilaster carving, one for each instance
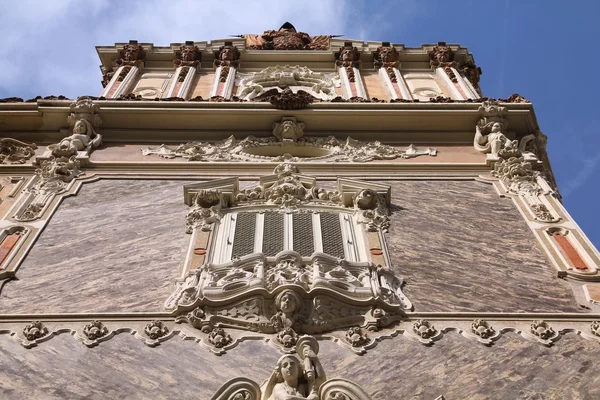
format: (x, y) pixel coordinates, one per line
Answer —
(348, 58)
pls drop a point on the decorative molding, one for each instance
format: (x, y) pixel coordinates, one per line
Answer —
(319, 85)
(13, 151)
(290, 145)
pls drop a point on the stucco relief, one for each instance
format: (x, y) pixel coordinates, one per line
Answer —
(13, 151)
(295, 77)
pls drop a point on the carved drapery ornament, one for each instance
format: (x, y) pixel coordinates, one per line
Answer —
(387, 57)
(13, 151)
(287, 99)
(286, 38)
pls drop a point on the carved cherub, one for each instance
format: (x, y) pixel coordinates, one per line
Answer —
(84, 137)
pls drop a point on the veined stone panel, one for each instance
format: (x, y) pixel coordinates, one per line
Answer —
(116, 246)
(399, 368)
(461, 247)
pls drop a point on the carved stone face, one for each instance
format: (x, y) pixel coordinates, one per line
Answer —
(80, 127)
(496, 127)
(347, 54)
(287, 303)
(290, 368)
(443, 54)
(227, 54)
(366, 199)
(131, 52)
(188, 53)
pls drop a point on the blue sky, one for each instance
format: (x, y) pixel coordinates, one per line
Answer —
(545, 50)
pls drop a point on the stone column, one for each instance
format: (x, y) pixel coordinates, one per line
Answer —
(226, 64)
(186, 64)
(386, 60)
(348, 63)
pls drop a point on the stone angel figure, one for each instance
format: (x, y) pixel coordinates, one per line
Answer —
(84, 137)
(294, 378)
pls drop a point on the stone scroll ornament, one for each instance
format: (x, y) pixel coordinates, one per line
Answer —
(298, 376)
(289, 294)
(13, 151)
(288, 144)
(286, 38)
(515, 161)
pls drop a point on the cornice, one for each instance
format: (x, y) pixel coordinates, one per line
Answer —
(158, 121)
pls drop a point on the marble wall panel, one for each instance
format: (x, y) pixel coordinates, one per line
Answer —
(461, 247)
(399, 368)
(116, 246)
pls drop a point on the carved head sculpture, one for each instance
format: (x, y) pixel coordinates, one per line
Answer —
(387, 54)
(188, 53)
(288, 302)
(442, 53)
(131, 52)
(349, 54)
(228, 53)
(288, 129)
(81, 127)
(208, 198)
(366, 199)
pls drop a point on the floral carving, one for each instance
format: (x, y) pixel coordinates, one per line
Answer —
(95, 330)
(286, 38)
(156, 330)
(424, 329)
(356, 337)
(219, 338)
(55, 173)
(482, 329)
(188, 55)
(35, 330)
(13, 151)
(372, 210)
(542, 330)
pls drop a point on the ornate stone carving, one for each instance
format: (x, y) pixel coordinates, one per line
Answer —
(482, 329)
(372, 210)
(295, 77)
(387, 57)
(219, 338)
(349, 58)
(286, 38)
(424, 329)
(156, 330)
(287, 337)
(356, 337)
(288, 130)
(287, 99)
(472, 72)
(95, 330)
(55, 173)
(296, 377)
(307, 148)
(107, 75)
(13, 151)
(83, 119)
(205, 211)
(442, 56)
(131, 54)
(543, 330)
(35, 330)
(514, 98)
(595, 328)
(188, 55)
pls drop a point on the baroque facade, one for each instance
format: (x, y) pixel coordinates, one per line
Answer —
(288, 216)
